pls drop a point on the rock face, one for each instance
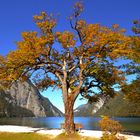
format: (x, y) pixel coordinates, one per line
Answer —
(26, 97)
(8, 107)
(89, 109)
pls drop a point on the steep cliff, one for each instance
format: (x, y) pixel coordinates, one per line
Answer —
(24, 99)
(9, 108)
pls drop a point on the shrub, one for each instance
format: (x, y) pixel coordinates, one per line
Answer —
(107, 136)
(110, 129)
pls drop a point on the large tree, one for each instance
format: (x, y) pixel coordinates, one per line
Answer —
(80, 62)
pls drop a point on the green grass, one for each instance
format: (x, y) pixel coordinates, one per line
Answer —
(35, 136)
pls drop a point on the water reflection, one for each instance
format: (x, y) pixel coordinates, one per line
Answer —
(89, 123)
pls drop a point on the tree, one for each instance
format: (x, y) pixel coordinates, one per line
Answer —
(132, 90)
(136, 42)
(136, 27)
(80, 62)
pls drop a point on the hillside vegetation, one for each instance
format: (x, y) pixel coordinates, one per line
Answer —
(119, 106)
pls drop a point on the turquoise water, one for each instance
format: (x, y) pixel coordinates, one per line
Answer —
(89, 123)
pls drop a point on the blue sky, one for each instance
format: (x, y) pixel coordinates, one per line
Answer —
(16, 17)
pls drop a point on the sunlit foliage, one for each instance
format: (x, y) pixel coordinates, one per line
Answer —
(110, 129)
(132, 90)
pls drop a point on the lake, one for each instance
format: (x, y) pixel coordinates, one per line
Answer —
(89, 123)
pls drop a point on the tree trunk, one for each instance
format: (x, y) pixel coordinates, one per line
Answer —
(69, 116)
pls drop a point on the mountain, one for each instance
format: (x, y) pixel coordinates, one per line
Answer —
(89, 109)
(8, 107)
(24, 100)
(118, 106)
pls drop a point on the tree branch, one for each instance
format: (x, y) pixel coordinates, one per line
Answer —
(76, 93)
(70, 70)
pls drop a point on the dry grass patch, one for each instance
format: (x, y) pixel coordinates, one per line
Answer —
(76, 136)
(22, 136)
(35, 136)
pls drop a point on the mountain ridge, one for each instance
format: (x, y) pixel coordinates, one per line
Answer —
(115, 107)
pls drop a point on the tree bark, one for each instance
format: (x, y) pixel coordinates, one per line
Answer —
(69, 116)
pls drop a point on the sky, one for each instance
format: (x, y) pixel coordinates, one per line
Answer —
(16, 17)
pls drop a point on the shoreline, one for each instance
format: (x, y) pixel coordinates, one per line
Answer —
(55, 132)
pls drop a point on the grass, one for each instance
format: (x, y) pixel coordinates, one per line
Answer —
(35, 136)
(63, 136)
(22, 136)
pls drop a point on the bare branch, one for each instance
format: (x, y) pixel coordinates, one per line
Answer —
(70, 70)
